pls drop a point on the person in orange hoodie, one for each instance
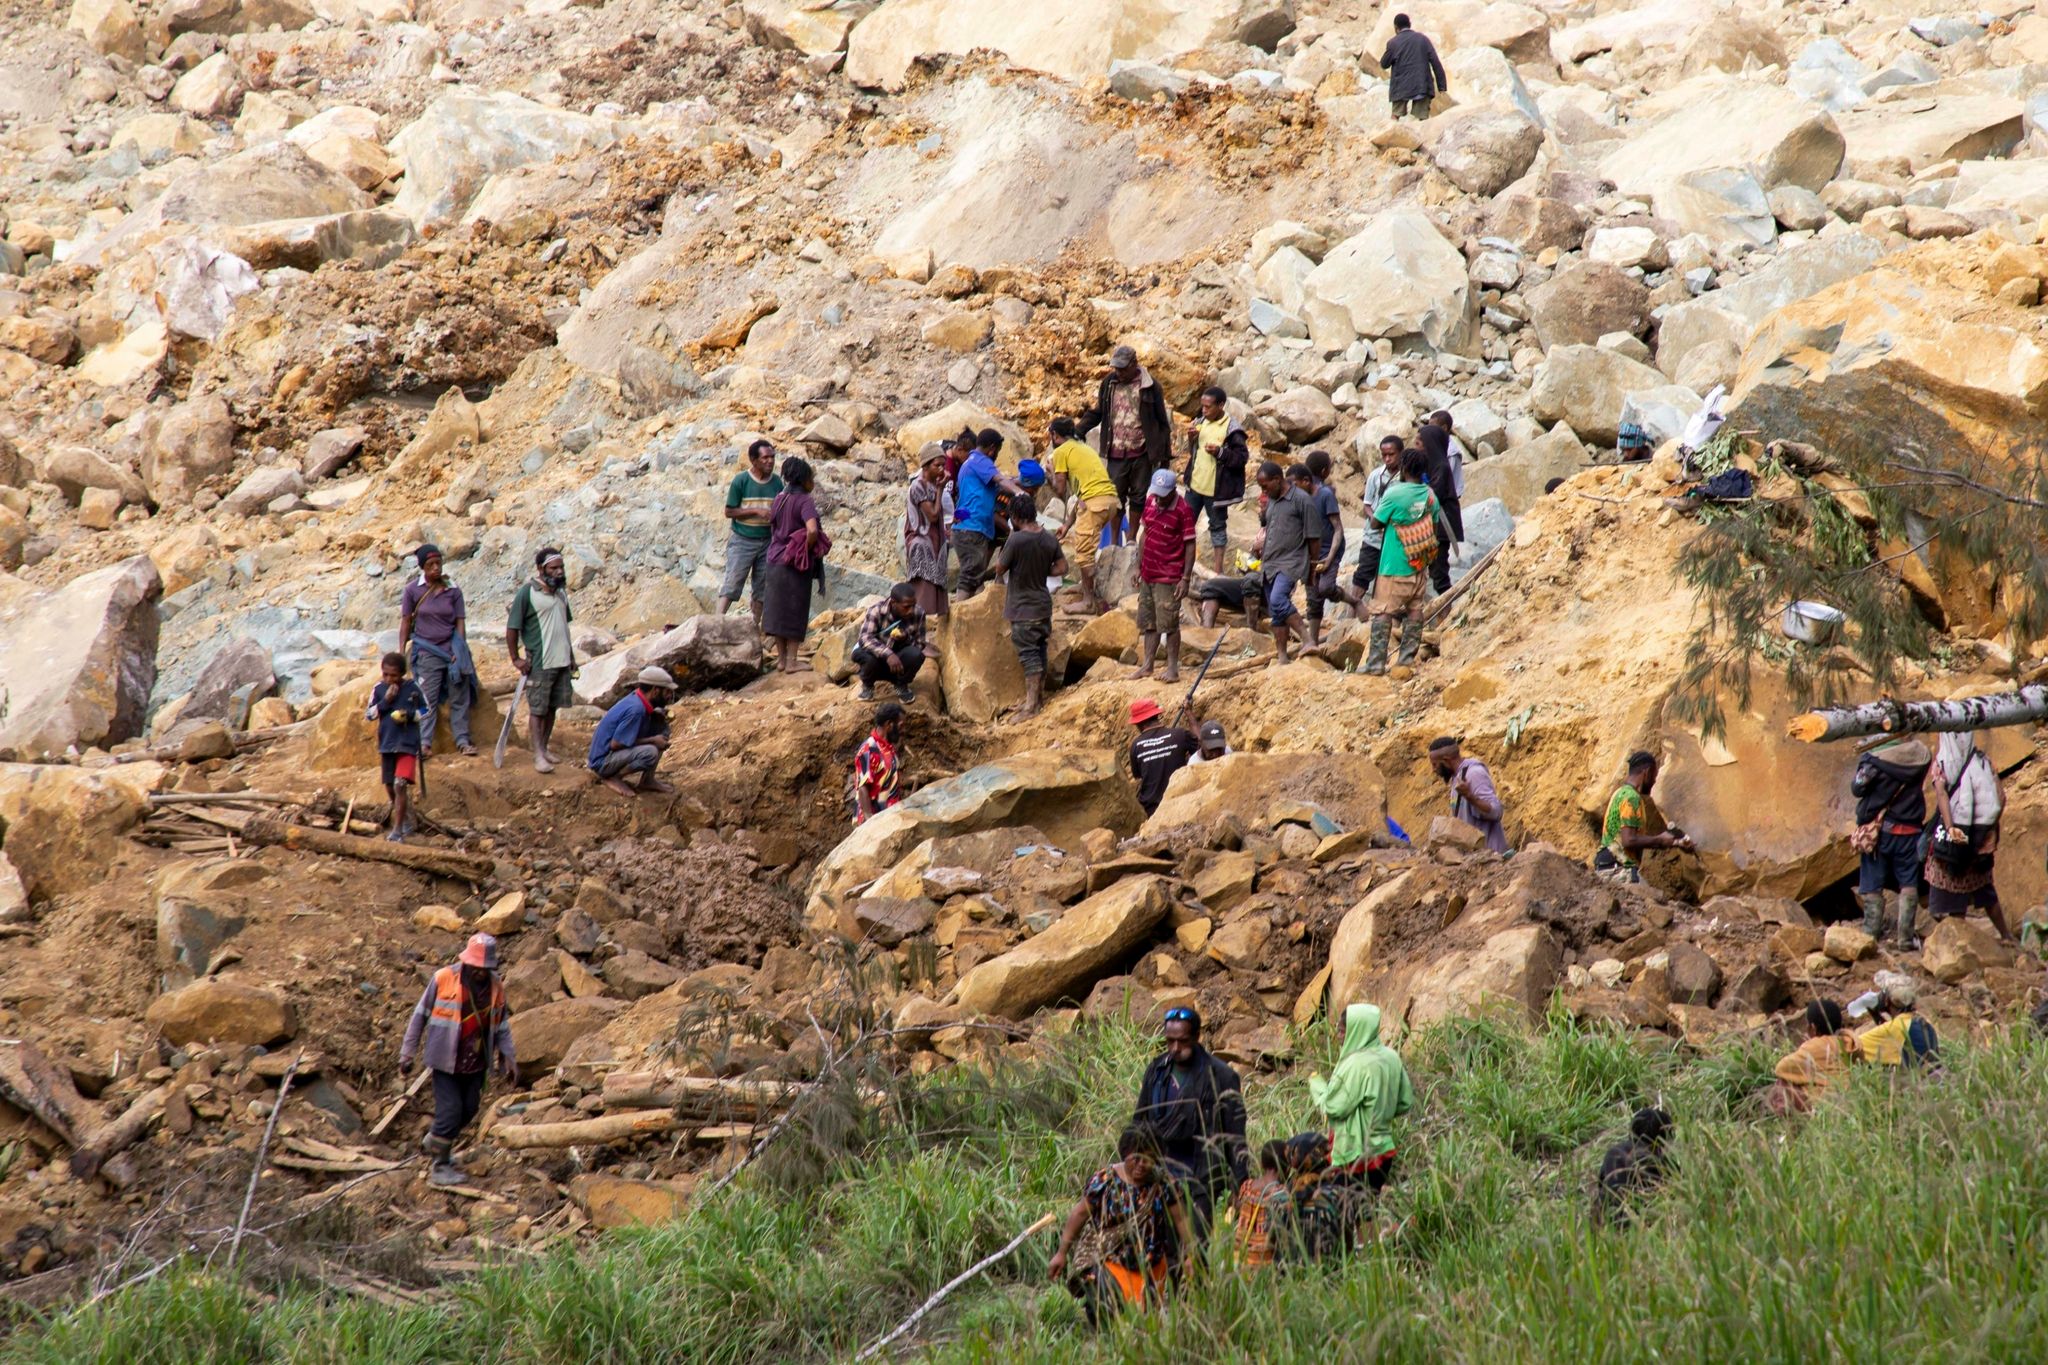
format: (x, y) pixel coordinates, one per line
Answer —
(1810, 1069)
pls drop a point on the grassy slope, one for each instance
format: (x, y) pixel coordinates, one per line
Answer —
(1906, 1222)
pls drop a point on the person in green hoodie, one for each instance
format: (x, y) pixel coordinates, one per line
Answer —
(1366, 1091)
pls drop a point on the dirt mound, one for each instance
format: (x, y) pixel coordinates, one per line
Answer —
(710, 897)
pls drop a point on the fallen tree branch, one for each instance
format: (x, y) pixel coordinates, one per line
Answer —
(1890, 717)
(587, 1132)
(662, 1090)
(121, 1134)
(284, 1089)
(1463, 585)
(469, 867)
(34, 1085)
(400, 1103)
(962, 1278)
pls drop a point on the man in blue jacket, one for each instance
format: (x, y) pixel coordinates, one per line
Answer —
(1414, 74)
(633, 736)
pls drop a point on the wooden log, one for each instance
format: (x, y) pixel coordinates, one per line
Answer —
(664, 1090)
(399, 1104)
(595, 1132)
(121, 1134)
(442, 862)
(1458, 589)
(1889, 717)
(36, 1085)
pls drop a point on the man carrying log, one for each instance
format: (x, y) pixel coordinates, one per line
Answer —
(467, 1033)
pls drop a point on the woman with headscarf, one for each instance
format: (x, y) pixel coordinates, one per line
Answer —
(1366, 1091)
(927, 522)
(797, 546)
(1969, 800)
(1447, 481)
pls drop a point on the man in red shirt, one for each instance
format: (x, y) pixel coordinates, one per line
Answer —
(877, 764)
(1166, 563)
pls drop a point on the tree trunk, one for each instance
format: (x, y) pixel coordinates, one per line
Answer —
(119, 1135)
(662, 1090)
(1888, 717)
(442, 862)
(582, 1132)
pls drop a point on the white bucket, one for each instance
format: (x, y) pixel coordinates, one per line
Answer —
(1813, 623)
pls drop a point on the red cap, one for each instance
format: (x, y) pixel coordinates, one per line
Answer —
(1143, 709)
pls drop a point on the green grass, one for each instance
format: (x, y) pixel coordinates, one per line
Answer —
(1904, 1222)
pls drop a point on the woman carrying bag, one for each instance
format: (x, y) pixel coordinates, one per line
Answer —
(797, 546)
(1964, 844)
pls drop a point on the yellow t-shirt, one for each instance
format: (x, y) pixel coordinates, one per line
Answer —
(1208, 440)
(1886, 1043)
(1086, 478)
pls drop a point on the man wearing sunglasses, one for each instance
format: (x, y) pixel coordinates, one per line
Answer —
(1195, 1103)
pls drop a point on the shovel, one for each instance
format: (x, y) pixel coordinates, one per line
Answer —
(505, 730)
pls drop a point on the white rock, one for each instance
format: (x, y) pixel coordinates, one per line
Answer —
(1397, 276)
(211, 90)
(1627, 246)
(464, 138)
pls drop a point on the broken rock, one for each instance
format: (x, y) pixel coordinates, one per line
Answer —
(217, 1011)
(1067, 957)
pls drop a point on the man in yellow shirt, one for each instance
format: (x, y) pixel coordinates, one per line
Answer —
(1215, 471)
(1080, 479)
(1904, 1038)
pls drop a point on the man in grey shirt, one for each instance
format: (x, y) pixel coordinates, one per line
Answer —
(1373, 535)
(1293, 541)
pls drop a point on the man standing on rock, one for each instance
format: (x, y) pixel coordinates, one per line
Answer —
(1414, 72)
(1083, 484)
(466, 1028)
(431, 633)
(1891, 810)
(1137, 436)
(974, 511)
(891, 647)
(1322, 573)
(1292, 544)
(633, 736)
(1217, 447)
(1166, 565)
(539, 621)
(1030, 558)
(1622, 840)
(748, 499)
(1410, 518)
(1372, 538)
(1157, 753)
(1473, 798)
(1195, 1102)
(878, 764)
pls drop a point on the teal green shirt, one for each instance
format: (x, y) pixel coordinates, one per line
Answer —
(756, 496)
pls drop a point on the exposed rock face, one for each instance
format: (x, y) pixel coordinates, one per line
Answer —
(1731, 314)
(463, 139)
(1070, 955)
(704, 651)
(978, 670)
(1728, 124)
(240, 664)
(1068, 39)
(77, 664)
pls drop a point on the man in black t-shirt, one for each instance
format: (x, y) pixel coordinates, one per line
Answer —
(1157, 753)
(1031, 558)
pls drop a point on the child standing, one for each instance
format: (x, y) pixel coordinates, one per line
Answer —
(396, 704)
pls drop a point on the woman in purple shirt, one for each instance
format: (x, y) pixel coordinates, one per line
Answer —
(796, 555)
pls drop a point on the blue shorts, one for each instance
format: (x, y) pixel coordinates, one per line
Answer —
(1893, 866)
(1280, 595)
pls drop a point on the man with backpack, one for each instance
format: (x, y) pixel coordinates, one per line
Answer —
(1891, 810)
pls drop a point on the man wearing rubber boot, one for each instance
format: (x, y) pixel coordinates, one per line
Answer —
(467, 1031)
(1409, 512)
(1890, 787)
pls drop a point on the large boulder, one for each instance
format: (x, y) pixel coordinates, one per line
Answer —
(1398, 277)
(341, 738)
(1351, 947)
(702, 652)
(542, 1037)
(200, 906)
(1072, 40)
(269, 181)
(194, 442)
(1519, 32)
(979, 675)
(239, 664)
(1586, 300)
(1517, 968)
(76, 469)
(1063, 792)
(1926, 132)
(1958, 949)
(77, 662)
(61, 823)
(1258, 787)
(111, 27)
(1483, 151)
(959, 415)
(465, 137)
(1586, 387)
(1535, 222)
(1726, 124)
(1731, 314)
(1302, 414)
(1065, 960)
(1517, 476)
(218, 1011)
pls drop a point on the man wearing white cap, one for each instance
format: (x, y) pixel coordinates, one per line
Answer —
(1166, 565)
(633, 735)
(466, 1029)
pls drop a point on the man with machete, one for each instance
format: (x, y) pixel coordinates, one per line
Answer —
(539, 621)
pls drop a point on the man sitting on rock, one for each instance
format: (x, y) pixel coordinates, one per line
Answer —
(1194, 1101)
(633, 736)
(1157, 753)
(892, 646)
(466, 1028)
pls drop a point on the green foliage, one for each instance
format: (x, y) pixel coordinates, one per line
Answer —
(1906, 1220)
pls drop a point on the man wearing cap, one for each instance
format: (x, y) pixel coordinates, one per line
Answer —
(1080, 480)
(431, 620)
(1211, 743)
(633, 735)
(1194, 1101)
(462, 1030)
(1136, 434)
(748, 499)
(539, 622)
(1166, 565)
(1158, 752)
(1031, 559)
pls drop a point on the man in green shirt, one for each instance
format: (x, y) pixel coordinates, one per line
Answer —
(748, 499)
(1622, 837)
(539, 622)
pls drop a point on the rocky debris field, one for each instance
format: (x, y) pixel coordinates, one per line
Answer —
(290, 286)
